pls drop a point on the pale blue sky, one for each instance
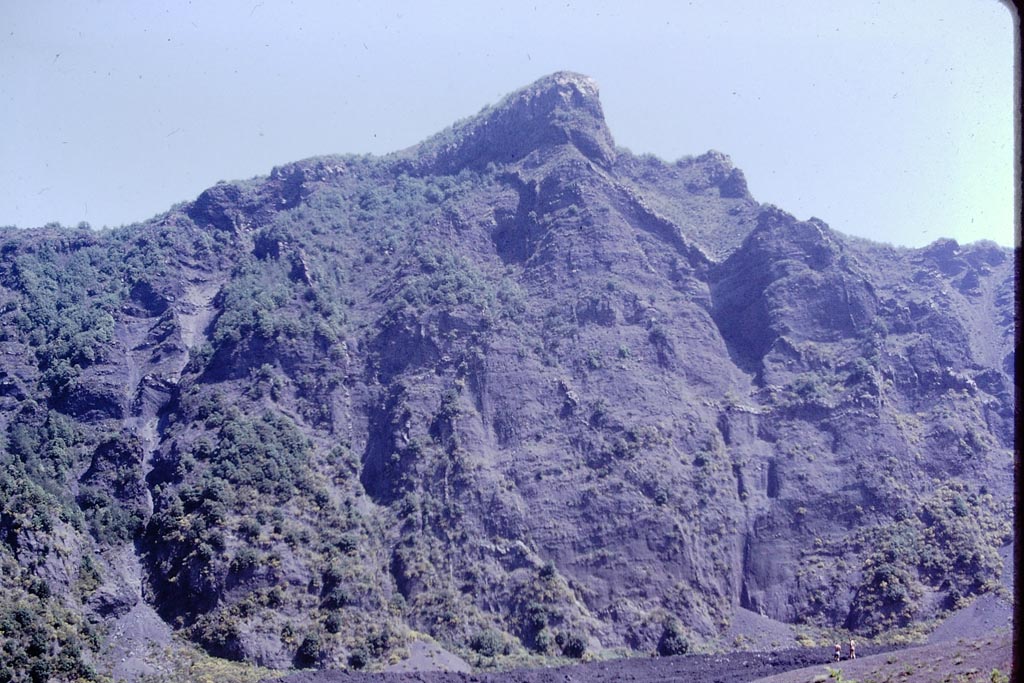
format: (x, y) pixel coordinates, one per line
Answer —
(891, 120)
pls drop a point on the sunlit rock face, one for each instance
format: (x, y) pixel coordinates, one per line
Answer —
(512, 385)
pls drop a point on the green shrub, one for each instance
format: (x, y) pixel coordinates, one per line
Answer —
(336, 598)
(544, 641)
(573, 644)
(672, 641)
(309, 652)
(334, 623)
(89, 578)
(380, 641)
(489, 643)
(246, 559)
(40, 640)
(358, 659)
(249, 528)
(997, 676)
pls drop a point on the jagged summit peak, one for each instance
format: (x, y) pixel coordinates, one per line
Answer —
(714, 156)
(567, 77)
(562, 92)
(567, 84)
(563, 108)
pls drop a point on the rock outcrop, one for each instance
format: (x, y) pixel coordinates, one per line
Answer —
(514, 387)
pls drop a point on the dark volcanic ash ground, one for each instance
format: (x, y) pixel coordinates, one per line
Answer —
(724, 668)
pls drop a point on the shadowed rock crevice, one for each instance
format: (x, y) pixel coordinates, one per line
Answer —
(517, 233)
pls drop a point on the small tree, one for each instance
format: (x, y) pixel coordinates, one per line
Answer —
(573, 644)
(358, 658)
(672, 641)
(334, 623)
(489, 643)
(308, 654)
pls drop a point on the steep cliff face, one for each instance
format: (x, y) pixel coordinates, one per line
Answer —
(511, 379)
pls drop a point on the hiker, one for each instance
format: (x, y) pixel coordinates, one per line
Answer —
(839, 652)
(853, 649)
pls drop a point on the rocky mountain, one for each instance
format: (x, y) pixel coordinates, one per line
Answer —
(515, 387)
